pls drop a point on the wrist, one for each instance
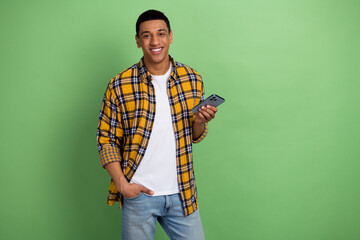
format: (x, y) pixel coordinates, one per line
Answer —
(121, 183)
(198, 129)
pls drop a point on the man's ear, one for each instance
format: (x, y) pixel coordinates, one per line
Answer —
(137, 41)
(171, 36)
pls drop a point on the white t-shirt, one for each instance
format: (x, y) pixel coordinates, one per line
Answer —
(157, 170)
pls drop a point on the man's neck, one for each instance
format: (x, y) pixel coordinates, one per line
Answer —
(157, 68)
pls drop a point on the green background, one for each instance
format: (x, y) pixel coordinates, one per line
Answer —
(281, 161)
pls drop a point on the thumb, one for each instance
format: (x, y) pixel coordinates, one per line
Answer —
(146, 190)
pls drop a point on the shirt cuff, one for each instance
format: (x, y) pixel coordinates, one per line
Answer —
(109, 154)
(203, 135)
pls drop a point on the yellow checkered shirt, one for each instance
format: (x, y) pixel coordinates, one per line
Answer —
(126, 119)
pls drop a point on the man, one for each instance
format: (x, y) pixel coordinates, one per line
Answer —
(145, 135)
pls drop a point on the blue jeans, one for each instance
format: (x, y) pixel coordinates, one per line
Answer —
(139, 216)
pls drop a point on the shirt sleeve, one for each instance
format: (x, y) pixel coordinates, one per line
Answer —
(202, 95)
(109, 130)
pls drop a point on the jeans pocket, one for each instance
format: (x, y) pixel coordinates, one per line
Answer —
(132, 198)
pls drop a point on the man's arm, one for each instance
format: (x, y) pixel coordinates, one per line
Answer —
(204, 115)
(108, 134)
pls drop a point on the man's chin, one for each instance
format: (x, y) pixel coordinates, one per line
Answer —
(155, 59)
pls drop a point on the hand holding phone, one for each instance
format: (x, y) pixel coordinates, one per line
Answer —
(212, 100)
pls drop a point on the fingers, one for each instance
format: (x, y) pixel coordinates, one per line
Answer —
(207, 113)
(214, 109)
(133, 189)
(146, 190)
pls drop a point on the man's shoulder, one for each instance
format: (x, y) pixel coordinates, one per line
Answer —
(186, 71)
(128, 75)
(132, 71)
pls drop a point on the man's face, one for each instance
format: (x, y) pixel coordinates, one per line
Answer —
(154, 39)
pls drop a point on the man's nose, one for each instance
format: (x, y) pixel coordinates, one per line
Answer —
(154, 40)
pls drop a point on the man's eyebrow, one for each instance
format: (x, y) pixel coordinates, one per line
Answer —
(159, 30)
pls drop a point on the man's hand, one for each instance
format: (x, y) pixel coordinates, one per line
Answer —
(127, 189)
(204, 115)
(130, 190)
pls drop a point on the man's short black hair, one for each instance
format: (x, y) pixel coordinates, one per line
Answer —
(151, 15)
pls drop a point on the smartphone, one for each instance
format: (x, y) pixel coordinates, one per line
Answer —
(213, 100)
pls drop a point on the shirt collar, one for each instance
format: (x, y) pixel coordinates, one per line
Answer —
(146, 76)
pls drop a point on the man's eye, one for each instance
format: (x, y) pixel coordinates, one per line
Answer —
(161, 34)
(146, 36)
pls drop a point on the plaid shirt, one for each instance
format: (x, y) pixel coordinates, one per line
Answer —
(126, 120)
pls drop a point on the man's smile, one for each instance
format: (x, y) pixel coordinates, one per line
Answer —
(156, 50)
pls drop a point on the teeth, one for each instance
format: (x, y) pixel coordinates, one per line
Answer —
(156, 49)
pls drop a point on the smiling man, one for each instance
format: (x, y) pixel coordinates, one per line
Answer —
(145, 135)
